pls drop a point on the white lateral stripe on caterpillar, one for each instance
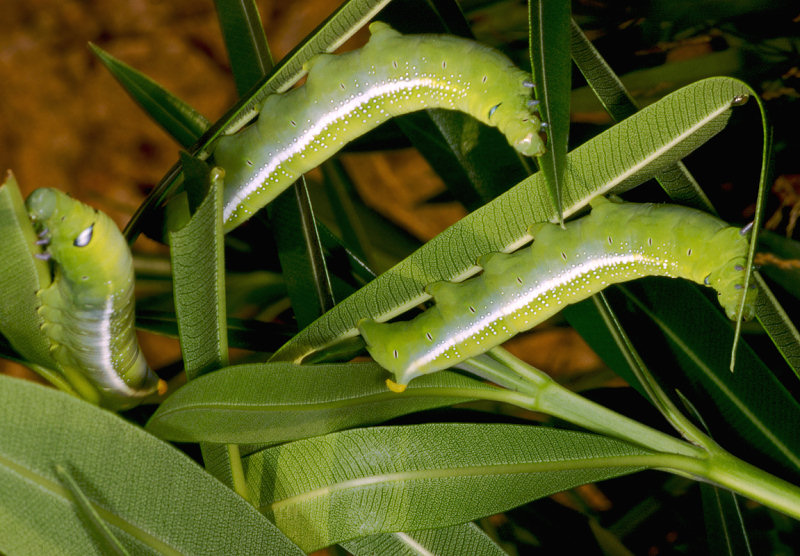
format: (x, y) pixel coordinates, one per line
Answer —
(349, 94)
(309, 136)
(480, 330)
(617, 242)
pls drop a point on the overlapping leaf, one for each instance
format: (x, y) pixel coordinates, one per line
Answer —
(387, 479)
(153, 498)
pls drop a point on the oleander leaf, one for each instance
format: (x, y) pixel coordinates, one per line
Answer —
(389, 479)
(154, 498)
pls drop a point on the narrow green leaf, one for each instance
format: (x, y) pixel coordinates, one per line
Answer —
(153, 498)
(277, 402)
(605, 84)
(340, 191)
(666, 131)
(198, 266)
(466, 538)
(776, 322)
(618, 102)
(197, 180)
(245, 41)
(389, 479)
(21, 276)
(182, 122)
(549, 42)
(300, 254)
(725, 529)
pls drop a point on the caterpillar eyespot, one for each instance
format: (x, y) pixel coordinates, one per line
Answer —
(472, 316)
(88, 308)
(84, 237)
(436, 71)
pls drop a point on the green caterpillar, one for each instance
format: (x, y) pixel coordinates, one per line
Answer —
(615, 243)
(88, 309)
(347, 95)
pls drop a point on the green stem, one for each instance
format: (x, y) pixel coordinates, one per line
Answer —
(237, 473)
(547, 396)
(726, 470)
(559, 402)
(708, 462)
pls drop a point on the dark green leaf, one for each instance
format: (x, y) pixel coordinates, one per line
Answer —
(182, 122)
(549, 41)
(276, 402)
(244, 37)
(300, 253)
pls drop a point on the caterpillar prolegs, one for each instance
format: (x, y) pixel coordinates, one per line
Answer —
(616, 242)
(349, 94)
(88, 309)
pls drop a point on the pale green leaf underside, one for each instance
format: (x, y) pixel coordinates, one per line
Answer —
(153, 498)
(198, 267)
(389, 479)
(622, 157)
(21, 276)
(466, 538)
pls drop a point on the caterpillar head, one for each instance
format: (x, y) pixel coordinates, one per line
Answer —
(728, 278)
(519, 122)
(81, 241)
(66, 225)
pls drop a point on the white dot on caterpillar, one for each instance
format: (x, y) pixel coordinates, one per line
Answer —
(429, 336)
(395, 354)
